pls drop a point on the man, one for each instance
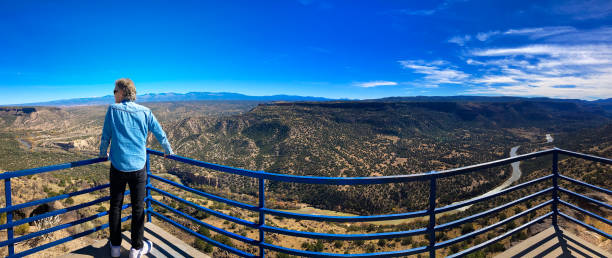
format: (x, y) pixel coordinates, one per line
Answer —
(126, 127)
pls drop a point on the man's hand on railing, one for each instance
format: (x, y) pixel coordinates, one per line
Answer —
(103, 156)
(168, 154)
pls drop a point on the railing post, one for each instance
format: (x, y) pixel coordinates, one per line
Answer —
(9, 215)
(432, 215)
(262, 215)
(148, 189)
(555, 191)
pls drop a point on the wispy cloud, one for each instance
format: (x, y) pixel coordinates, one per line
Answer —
(426, 12)
(435, 72)
(372, 84)
(577, 71)
(598, 35)
(460, 40)
(547, 33)
(559, 61)
(584, 9)
(540, 32)
(483, 36)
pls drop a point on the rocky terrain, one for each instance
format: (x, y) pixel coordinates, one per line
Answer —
(343, 138)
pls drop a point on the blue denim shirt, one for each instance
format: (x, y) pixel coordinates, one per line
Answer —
(126, 127)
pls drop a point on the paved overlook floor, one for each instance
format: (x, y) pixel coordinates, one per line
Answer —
(164, 245)
(554, 242)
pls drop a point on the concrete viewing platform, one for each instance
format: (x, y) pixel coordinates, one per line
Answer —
(164, 245)
(554, 242)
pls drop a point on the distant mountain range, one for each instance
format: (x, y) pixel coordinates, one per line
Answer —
(229, 96)
(170, 97)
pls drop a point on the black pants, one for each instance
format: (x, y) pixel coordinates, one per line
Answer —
(137, 181)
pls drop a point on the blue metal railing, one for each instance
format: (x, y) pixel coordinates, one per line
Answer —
(429, 231)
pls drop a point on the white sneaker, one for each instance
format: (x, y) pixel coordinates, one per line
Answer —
(115, 250)
(147, 246)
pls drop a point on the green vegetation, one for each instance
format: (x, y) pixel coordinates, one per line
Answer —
(336, 139)
(22, 229)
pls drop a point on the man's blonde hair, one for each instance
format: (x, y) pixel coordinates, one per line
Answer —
(127, 86)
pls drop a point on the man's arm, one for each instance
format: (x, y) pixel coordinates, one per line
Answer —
(159, 133)
(106, 135)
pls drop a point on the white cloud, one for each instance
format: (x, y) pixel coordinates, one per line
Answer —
(603, 35)
(540, 32)
(503, 79)
(460, 40)
(584, 9)
(426, 12)
(556, 61)
(531, 33)
(553, 70)
(375, 84)
(436, 72)
(483, 36)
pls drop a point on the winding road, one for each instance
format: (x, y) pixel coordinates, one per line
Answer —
(516, 174)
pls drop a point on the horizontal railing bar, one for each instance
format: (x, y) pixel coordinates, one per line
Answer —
(349, 180)
(317, 254)
(202, 208)
(32, 171)
(207, 195)
(507, 190)
(596, 188)
(58, 227)
(201, 223)
(67, 239)
(211, 241)
(587, 226)
(602, 219)
(50, 199)
(496, 163)
(585, 156)
(490, 227)
(343, 236)
(344, 218)
(487, 212)
(55, 212)
(500, 237)
(296, 179)
(605, 205)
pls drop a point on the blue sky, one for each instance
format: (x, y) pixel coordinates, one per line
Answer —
(338, 49)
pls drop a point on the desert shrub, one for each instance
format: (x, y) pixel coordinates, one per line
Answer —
(406, 240)
(69, 201)
(338, 243)
(497, 247)
(223, 239)
(370, 248)
(204, 231)
(478, 254)
(203, 246)
(22, 229)
(467, 228)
